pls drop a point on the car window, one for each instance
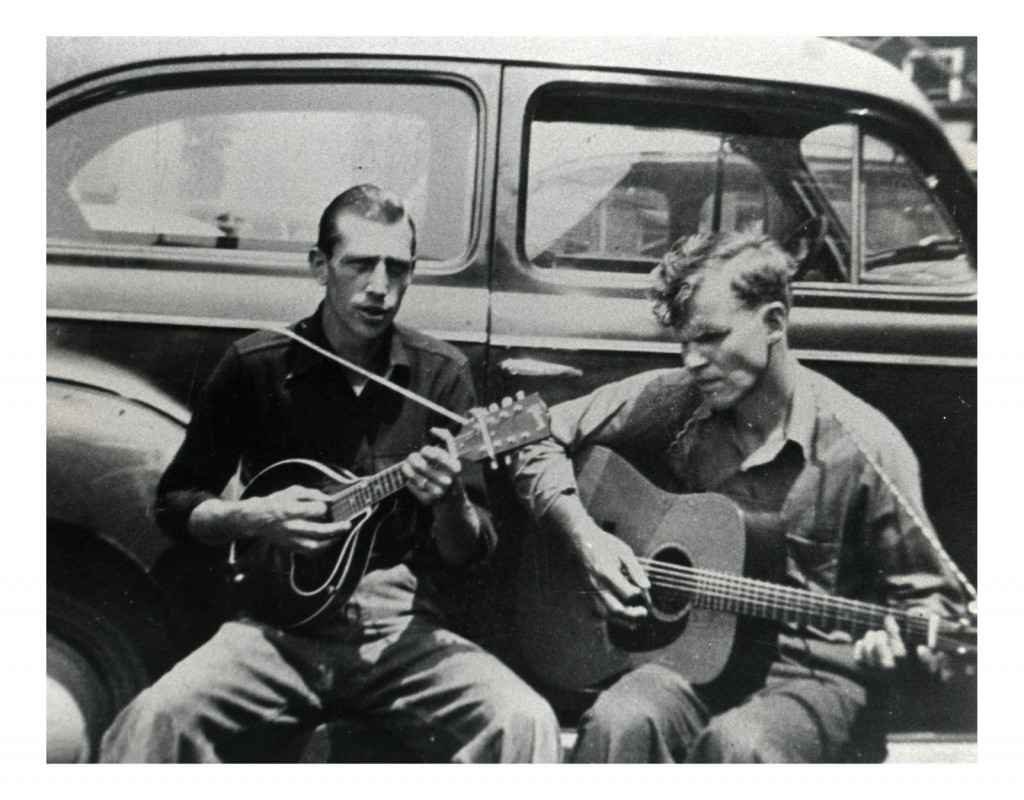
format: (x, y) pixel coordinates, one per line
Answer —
(613, 197)
(251, 166)
(612, 182)
(907, 238)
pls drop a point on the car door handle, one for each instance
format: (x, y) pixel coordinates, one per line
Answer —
(532, 368)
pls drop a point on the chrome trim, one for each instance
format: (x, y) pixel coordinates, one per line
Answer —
(908, 359)
(212, 322)
(671, 348)
(536, 342)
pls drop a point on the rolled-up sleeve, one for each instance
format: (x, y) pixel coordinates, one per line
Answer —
(544, 471)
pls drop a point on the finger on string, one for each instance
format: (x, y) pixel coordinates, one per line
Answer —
(636, 573)
(895, 641)
(447, 439)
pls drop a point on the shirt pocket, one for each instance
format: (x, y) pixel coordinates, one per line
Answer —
(812, 538)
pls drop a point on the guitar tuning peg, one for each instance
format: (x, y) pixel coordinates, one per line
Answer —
(508, 460)
(492, 407)
(506, 402)
(520, 395)
(494, 464)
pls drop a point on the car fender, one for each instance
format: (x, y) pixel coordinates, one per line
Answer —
(109, 436)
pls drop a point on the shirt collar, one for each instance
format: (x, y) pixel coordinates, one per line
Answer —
(800, 425)
(803, 415)
(311, 328)
(799, 428)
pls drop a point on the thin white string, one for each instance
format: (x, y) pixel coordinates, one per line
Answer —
(926, 529)
(372, 376)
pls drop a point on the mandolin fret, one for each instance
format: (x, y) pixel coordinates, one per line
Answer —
(367, 493)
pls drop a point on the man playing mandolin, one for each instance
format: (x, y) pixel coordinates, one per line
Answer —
(822, 479)
(384, 653)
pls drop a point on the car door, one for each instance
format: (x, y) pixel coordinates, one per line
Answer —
(183, 196)
(600, 171)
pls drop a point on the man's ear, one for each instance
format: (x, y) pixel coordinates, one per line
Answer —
(776, 321)
(318, 265)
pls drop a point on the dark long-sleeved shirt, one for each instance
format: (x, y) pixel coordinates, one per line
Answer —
(272, 398)
(846, 531)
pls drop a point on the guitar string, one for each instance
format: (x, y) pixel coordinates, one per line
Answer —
(720, 586)
(760, 588)
(748, 590)
(915, 628)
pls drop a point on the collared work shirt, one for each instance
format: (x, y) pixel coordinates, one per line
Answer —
(812, 481)
(272, 398)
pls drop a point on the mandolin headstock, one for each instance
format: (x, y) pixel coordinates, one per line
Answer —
(502, 428)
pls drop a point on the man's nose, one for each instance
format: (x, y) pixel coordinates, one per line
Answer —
(379, 283)
(693, 357)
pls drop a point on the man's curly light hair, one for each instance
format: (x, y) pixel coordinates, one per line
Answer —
(764, 278)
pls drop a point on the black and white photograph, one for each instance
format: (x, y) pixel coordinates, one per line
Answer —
(512, 399)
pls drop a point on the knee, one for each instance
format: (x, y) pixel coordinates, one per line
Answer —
(528, 715)
(155, 725)
(524, 728)
(730, 740)
(623, 717)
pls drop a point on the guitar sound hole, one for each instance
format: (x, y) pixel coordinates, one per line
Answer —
(670, 597)
(669, 604)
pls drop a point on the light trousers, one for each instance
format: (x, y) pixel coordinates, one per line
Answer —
(249, 691)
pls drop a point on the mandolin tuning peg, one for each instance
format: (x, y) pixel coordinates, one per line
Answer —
(508, 460)
(494, 464)
(492, 407)
(520, 395)
(506, 402)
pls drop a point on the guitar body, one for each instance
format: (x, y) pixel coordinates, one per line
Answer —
(289, 590)
(567, 646)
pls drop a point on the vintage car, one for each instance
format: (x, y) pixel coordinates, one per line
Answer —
(546, 177)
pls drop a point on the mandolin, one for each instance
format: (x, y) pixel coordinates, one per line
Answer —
(289, 589)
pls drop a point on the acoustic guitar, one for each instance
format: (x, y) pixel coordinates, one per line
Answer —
(693, 548)
(290, 590)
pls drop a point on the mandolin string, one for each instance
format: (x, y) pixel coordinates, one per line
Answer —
(720, 586)
(368, 491)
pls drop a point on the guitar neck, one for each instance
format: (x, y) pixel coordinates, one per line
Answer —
(748, 597)
(368, 492)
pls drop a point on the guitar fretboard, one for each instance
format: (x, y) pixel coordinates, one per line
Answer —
(748, 597)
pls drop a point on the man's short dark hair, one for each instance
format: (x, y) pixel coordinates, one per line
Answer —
(366, 201)
(765, 278)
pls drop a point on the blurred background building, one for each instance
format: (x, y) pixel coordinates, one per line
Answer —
(946, 70)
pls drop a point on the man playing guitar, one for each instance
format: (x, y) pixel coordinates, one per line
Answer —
(819, 475)
(385, 653)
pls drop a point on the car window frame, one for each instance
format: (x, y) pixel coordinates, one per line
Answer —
(174, 74)
(889, 120)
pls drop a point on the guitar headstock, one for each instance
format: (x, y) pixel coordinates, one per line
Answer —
(500, 429)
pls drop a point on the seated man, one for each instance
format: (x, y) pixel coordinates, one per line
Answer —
(385, 654)
(814, 469)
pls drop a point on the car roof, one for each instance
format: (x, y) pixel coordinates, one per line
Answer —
(806, 61)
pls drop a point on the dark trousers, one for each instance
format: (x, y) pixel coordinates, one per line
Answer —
(250, 690)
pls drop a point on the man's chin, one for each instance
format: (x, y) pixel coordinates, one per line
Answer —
(372, 327)
(718, 400)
